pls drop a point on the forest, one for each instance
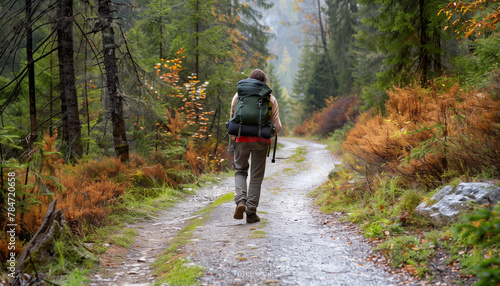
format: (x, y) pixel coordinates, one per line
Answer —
(107, 105)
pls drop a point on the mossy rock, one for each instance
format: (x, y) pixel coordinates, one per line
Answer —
(335, 174)
(143, 181)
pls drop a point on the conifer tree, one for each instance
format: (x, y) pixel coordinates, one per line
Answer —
(341, 28)
(113, 81)
(31, 73)
(410, 34)
(273, 81)
(69, 99)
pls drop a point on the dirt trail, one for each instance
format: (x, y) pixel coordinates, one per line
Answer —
(292, 245)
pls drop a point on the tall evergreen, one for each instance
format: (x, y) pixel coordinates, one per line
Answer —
(314, 81)
(368, 60)
(410, 34)
(274, 81)
(255, 33)
(69, 99)
(113, 81)
(321, 85)
(342, 19)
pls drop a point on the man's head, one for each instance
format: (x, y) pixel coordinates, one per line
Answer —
(258, 75)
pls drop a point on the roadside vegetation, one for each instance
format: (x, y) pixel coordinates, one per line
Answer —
(100, 195)
(407, 117)
(99, 198)
(429, 138)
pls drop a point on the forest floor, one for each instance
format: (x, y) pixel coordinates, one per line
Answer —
(294, 244)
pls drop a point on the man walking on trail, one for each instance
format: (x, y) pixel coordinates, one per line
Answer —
(256, 148)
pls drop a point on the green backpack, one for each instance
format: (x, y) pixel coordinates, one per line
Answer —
(253, 106)
(252, 111)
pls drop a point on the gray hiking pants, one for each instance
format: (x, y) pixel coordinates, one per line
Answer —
(257, 151)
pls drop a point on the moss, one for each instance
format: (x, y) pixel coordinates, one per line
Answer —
(141, 180)
(263, 223)
(125, 239)
(181, 272)
(299, 155)
(258, 234)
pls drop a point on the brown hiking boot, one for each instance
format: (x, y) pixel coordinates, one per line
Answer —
(251, 218)
(240, 210)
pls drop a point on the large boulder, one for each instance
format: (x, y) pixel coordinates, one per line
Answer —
(447, 205)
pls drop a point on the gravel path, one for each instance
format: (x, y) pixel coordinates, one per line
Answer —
(292, 245)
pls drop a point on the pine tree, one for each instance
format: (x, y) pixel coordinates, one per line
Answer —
(274, 81)
(113, 81)
(341, 28)
(69, 99)
(410, 34)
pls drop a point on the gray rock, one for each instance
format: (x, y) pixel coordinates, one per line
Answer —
(447, 205)
(335, 173)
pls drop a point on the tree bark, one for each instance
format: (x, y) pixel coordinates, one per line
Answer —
(69, 99)
(161, 32)
(113, 83)
(323, 37)
(31, 74)
(424, 56)
(197, 41)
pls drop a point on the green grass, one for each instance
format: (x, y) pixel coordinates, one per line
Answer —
(409, 250)
(263, 222)
(171, 266)
(258, 234)
(70, 262)
(299, 155)
(181, 271)
(125, 239)
(75, 277)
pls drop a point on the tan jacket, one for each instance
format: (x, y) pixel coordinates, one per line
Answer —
(275, 112)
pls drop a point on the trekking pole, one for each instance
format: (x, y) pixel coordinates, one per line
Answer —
(274, 151)
(230, 145)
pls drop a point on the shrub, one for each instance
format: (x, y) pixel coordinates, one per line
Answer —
(108, 167)
(426, 133)
(484, 228)
(335, 115)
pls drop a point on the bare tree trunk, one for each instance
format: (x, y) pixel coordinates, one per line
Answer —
(31, 74)
(423, 53)
(69, 99)
(323, 37)
(197, 41)
(51, 91)
(85, 90)
(161, 32)
(113, 83)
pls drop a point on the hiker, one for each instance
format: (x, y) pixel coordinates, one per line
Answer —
(256, 147)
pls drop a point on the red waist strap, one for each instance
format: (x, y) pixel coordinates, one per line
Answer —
(252, 139)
